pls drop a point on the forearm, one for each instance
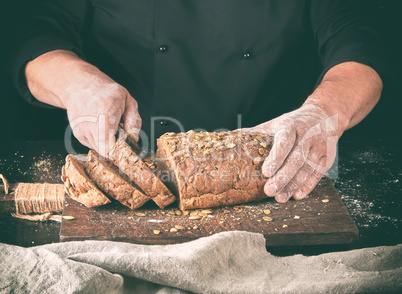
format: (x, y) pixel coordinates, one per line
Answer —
(349, 90)
(50, 76)
(95, 103)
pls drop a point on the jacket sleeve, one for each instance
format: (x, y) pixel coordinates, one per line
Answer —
(345, 31)
(50, 25)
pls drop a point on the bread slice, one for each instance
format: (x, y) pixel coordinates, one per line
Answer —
(79, 186)
(140, 173)
(214, 169)
(113, 182)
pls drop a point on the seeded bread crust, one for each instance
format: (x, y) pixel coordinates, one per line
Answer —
(214, 169)
(113, 182)
(140, 173)
(79, 186)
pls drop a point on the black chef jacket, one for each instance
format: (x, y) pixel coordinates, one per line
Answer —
(208, 64)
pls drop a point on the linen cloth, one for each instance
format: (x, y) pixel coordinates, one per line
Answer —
(229, 262)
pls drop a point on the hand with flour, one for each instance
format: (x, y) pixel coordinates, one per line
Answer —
(304, 149)
(305, 140)
(95, 103)
(95, 107)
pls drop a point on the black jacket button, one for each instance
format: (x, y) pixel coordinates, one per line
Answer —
(163, 48)
(247, 55)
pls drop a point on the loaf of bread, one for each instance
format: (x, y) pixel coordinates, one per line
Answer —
(213, 169)
(79, 186)
(202, 169)
(113, 182)
(140, 173)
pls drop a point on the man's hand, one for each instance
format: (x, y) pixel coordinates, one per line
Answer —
(95, 109)
(305, 139)
(95, 104)
(304, 149)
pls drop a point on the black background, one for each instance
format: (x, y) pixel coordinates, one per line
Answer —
(20, 121)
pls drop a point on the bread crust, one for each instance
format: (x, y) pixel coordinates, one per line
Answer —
(79, 186)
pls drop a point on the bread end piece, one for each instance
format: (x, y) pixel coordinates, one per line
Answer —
(79, 186)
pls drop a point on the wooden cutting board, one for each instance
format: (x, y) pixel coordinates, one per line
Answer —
(322, 218)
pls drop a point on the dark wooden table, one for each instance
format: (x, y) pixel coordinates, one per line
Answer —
(368, 177)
